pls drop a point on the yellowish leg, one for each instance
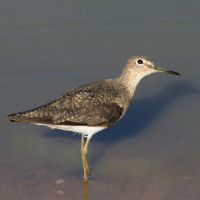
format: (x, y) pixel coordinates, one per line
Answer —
(84, 149)
(86, 166)
(82, 143)
(83, 158)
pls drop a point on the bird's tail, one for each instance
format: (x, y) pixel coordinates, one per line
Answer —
(30, 116)
(20, 117)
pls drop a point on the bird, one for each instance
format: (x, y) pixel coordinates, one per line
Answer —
(92, 107)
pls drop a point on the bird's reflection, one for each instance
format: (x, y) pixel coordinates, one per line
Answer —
(85, 185)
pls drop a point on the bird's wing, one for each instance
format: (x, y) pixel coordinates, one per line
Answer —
(92, 105)
(101, 115)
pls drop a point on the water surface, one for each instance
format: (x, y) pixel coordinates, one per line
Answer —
(50, 47)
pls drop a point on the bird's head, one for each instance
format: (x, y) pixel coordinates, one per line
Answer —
(144, 66)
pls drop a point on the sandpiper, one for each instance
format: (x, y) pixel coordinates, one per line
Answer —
(93, 107)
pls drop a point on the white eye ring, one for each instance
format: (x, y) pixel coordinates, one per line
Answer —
(139, 62)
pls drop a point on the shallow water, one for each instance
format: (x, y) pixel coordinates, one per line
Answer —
(50, 47)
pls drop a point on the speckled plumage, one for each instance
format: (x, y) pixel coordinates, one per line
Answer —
(99, 104)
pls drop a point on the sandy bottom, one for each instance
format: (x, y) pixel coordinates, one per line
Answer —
(38, 183)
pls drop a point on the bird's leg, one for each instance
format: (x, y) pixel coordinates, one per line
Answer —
(84, 149)
(82, 143)
(83, 157)
(83, 154)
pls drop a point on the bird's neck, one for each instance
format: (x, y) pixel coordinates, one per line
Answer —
(130, 81)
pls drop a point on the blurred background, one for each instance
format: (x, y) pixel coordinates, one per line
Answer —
(50, 47)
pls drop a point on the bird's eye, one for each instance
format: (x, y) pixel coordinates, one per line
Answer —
(139, 61)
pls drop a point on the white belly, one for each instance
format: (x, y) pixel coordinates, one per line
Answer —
(87, 131)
